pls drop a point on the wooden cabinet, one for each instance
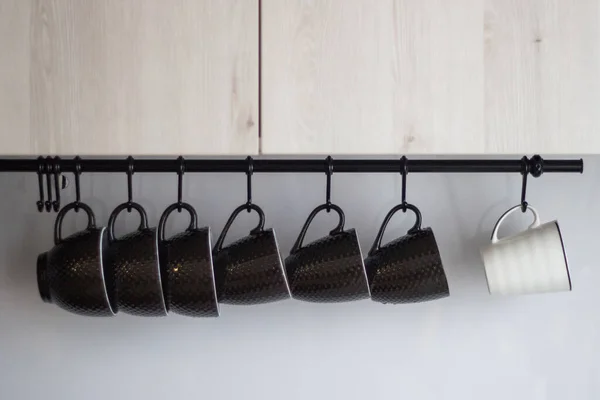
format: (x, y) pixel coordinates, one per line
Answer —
(156, 77)
(95, 77)
(430, 76)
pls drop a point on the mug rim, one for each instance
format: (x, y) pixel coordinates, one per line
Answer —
(113, 310)
(562, 243)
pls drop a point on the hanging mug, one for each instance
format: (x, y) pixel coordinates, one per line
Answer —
(531, 261)
(73, 274)
(408, 269)
(249, 271)
(330, 269)
(134, 259)
(187, 261)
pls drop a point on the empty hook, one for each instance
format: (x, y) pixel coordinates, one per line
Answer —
(49, 170)
(57, 183)
(40, 172)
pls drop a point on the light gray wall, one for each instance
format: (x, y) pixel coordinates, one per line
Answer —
(468, 346)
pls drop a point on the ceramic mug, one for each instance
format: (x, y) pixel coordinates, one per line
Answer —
(135, 261)
(73, 274)
(408, 269)
(187, 259)
(531, 261)
(330, 269)
(249, 270)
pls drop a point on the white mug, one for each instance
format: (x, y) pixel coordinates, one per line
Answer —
(532, 261)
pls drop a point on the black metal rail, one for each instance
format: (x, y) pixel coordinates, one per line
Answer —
(535, 165)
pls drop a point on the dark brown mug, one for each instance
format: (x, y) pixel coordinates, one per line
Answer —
(187, 263)
(135, 262)
(408, 269)
(330, 269)
(250, 270)
(73, 274)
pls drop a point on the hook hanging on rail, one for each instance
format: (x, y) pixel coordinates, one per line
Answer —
(40, 172)
(180, 172)
(249, 173)
(49, 170)
(57, 187)
(77, 174)
(404, 173)
(130, 172)
(329, 172)
(525, 172)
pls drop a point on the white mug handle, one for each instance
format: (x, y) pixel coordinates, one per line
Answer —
(535, 224)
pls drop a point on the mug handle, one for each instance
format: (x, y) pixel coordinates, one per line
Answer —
(415, 228)
(259, 228)
(61, 215)
(535, 224)
(165, 215)
(338, 229)
(117, 211)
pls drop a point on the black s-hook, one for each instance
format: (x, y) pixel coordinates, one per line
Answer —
(49, 170)
(329, 172)
(41, 170)
(249, 173)
(77, 174)
(180, 172)
(130, 172)
(404, 173)
(524, 172)
(57, 176)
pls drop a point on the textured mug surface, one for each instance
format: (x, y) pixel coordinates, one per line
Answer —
(531, 261)
(250, 271)
(408, 269)
(135, 261)
(73, 274)
(187, 259)
(330, 269)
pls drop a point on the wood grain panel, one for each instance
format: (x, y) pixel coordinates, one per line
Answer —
(372, 77)
(144, 77)
(14, 76)
(542, 76)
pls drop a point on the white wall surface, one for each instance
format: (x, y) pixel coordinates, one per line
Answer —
(467, 346)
